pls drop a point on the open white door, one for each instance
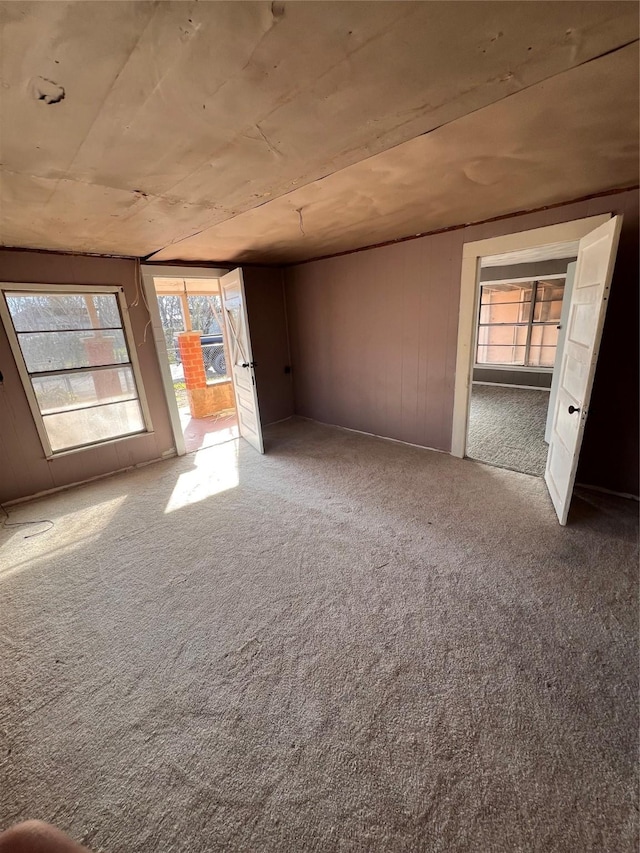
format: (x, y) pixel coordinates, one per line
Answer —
(562, 334)
(594, 269)
(242, 363)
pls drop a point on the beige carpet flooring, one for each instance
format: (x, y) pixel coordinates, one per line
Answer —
(344, 645)
(506, 427)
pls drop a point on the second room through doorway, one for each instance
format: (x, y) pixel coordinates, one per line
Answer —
(519, 335)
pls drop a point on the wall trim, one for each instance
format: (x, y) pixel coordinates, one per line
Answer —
(171, 270)
(371, 434)
(69, 253)
(145, 281)
(167, 454)
(280, 421)
(509, 385)
(604, 491)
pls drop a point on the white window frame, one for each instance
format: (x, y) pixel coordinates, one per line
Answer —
(85, 290)
(531, 323)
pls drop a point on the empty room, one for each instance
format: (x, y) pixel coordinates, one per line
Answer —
(319, 426)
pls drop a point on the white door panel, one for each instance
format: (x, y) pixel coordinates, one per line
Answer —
(575, 372)
(566, 425)
(242, 364)
(564, 319)
(583, 321)
(587, 308)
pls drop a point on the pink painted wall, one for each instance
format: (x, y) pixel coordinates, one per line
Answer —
(374, 336)
(23, 467)
(264, 288)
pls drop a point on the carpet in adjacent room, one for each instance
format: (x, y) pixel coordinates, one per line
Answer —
(506, 427)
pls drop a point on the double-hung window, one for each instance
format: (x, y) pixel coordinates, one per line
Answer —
(74, 351)
(518, 323)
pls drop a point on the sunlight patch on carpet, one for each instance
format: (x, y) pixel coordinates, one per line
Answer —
(215, 470)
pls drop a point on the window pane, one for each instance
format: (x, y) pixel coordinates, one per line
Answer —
(505, 303)
(500, 354)
(547, 311)
(501, 344)
(544, 335)
(542, 356)
(64, 350)
(203, 317)
(501, 339)
(520, 292)
(548, 291)
(32, 312)
(75, 390)
(505, 312)
(75, 350)
(86, 426)
(548, 301)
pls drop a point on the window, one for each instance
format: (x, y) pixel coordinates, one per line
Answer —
(518, 323)
(72, 347)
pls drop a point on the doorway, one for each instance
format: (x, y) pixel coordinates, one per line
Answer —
(572, 380)
(194, 336)
(518, 341)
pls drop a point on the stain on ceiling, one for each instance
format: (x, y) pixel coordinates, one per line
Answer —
(276, 131)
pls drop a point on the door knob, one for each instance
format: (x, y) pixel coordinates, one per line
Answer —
(573, 409)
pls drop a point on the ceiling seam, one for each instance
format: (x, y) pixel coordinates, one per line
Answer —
(99, 110)
(287, 264)
(460, 226)
(298, 91)
(392, 147)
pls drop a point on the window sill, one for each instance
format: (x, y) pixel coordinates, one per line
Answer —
(73, 450)
(516, 367)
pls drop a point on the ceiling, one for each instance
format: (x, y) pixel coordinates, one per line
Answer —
(277, 131)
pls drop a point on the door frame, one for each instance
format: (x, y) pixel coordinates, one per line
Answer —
(148, 274)
(471, 254)
(241, 350)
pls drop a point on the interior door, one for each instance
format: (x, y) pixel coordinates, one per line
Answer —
(594, 269)
(562, 334)
(242, 363)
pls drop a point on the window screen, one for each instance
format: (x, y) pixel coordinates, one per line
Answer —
(77, 357)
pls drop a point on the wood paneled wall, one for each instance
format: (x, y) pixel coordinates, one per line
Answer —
(373, 345)
(374, 335)
(373, 339)
(24, 470)
(264, 289)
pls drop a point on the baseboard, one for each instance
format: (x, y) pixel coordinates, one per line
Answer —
(608, 492)
(46, 492)
(437, 450)
(281, 421)
(372, 435)
(506, 385)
